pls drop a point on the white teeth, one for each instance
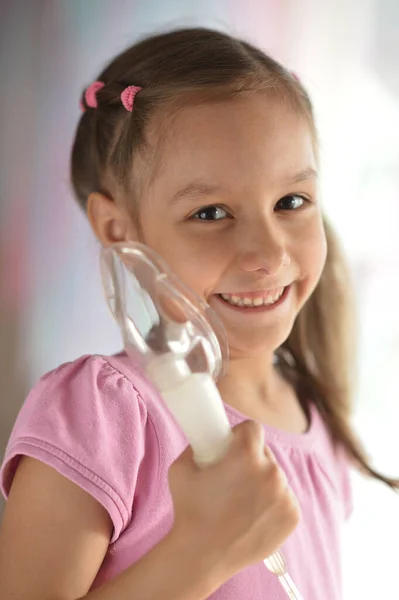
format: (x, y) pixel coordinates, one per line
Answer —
(252, 302)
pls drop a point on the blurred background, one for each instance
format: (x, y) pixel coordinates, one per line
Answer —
(51, 304)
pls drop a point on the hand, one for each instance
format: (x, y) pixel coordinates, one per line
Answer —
(238, 511)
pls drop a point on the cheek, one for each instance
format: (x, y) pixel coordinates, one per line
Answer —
(197, 263)
(311, 253)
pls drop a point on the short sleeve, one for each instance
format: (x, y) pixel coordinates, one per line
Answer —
(86, 420)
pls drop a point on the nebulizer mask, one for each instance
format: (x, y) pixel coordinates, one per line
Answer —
(181, 344)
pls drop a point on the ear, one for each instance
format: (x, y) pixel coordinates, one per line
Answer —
(109, 221)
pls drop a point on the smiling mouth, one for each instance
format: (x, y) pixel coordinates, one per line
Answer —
(255, 300)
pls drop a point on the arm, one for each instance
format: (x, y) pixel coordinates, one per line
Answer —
(171, 570)
(52, 546)
(55, 535)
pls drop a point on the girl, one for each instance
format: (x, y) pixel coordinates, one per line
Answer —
(205, 149)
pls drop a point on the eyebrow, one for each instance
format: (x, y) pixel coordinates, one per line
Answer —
(197, 189)
(308, 173)
(194, 190)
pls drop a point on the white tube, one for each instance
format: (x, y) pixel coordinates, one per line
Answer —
(198, 408)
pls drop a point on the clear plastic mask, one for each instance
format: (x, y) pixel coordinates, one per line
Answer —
(158, 314)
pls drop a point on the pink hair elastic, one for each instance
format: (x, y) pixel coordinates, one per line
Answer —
(128, 95)
(91, 93)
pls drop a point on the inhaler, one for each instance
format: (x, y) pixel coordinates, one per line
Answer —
(181, 344)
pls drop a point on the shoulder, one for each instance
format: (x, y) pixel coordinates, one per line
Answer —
(88, 372)
(336, 465)
(85, 392)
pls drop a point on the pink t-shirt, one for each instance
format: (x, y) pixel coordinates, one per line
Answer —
(101, 423)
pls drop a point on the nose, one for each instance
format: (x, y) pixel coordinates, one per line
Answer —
(262, 247)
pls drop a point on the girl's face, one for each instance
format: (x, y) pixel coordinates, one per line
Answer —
(233, 209)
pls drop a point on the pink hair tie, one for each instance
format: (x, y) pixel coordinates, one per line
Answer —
(128, 95)
(91, 92)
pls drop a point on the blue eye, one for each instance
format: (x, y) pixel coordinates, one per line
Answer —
(290, 202)
(210, 213)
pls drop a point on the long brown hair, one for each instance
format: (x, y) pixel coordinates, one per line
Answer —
(200, 65)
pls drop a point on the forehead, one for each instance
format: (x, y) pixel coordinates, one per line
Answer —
(234, 142)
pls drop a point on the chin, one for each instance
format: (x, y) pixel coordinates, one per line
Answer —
(261, 342)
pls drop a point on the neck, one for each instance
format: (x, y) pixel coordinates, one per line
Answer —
(251, 379)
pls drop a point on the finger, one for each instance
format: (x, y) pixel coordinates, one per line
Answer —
(249, 434)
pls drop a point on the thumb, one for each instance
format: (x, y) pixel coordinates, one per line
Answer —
(249, 437)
